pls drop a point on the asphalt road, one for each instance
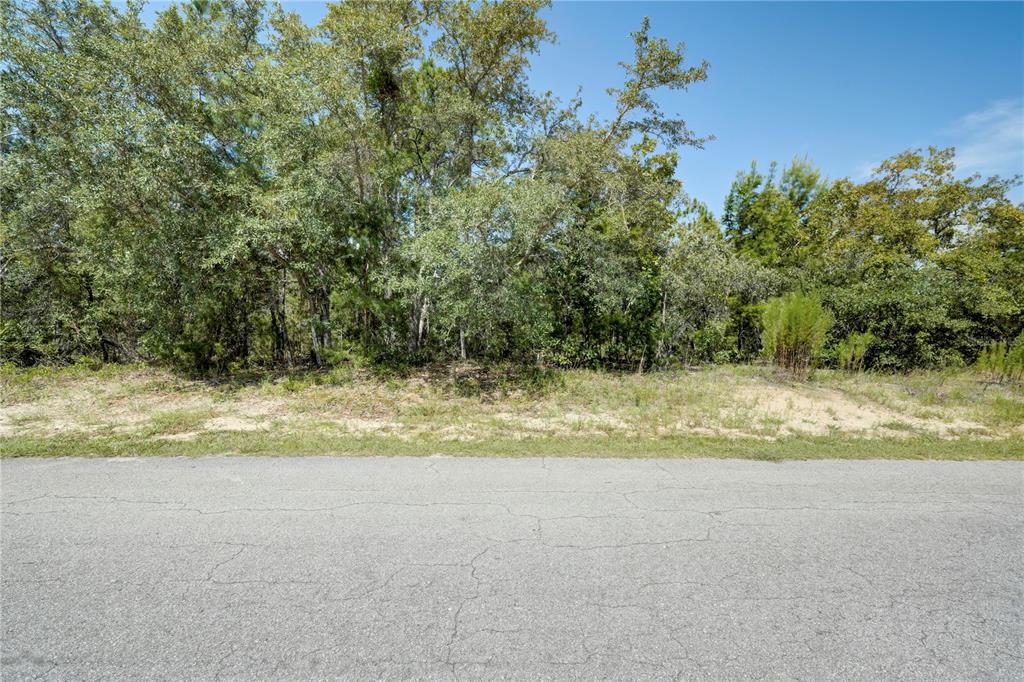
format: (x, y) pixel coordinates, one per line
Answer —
(336, 568)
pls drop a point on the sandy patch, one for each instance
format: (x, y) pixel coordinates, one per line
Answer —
(460, 434)
(29, 419)
(257, 407)
(183, 436)
(358, 425)
(816, 411)
(234, 423)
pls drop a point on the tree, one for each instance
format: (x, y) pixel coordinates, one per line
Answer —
(619, 177)
(482, 259)
(225, 186)
(705, 287)
(768, 219)
(923, 259)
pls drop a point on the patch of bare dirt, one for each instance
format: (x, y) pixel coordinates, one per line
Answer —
(183, 436)
(359, 425)
(817, 411)
(236, 423)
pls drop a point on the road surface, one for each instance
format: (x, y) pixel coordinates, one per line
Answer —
(560, 569)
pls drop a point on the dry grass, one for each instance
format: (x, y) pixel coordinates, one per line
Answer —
(464, 406)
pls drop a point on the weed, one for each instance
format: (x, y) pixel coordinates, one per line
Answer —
(177, 421)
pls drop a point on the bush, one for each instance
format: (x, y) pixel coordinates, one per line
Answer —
(851, 351)
(793, 331)
(912, 317)
(1003, 363)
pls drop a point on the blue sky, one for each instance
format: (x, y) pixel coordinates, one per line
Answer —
(846, 84)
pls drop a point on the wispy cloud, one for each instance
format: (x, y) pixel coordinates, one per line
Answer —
(988, 141)
(863, 171)
(991, 140)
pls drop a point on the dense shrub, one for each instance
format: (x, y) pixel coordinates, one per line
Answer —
(1001, 362)
(794, 328)
(851, 351)
(911, 316)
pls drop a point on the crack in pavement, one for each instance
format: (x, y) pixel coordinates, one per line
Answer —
(580, 569)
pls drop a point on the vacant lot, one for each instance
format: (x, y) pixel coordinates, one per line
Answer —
(464, 409)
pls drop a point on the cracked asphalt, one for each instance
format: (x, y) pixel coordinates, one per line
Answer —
(558, 569)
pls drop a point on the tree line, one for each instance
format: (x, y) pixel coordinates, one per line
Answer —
(226, 187)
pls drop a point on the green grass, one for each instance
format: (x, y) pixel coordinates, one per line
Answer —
(1008, 410)
(897, 425)
(249, 443)
(172, 422)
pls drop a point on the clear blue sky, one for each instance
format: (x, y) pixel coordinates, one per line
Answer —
(846, 84)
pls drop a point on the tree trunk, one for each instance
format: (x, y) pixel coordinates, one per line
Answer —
(421, 331)
(279, 322)
(414, 317)
(659, 353)
(319, 323)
